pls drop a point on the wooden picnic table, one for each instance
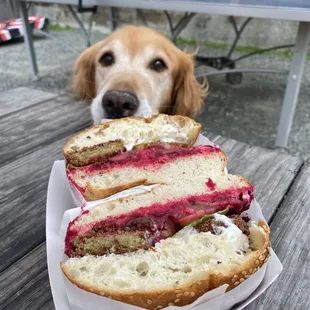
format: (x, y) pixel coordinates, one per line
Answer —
(34, 126)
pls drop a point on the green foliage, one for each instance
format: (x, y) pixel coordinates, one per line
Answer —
(287, 53)
(58, 28)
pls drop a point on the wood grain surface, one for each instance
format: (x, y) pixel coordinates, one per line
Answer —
(23, 201)
(22, 97)
(38, 125)
(290, 239)
(25, 284)
(34, 128)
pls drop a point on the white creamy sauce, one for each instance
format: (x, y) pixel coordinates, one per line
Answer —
(241, 241)
(130, 145)
(169, 134)
(186, 233)
(230, 233)
(231, 230)
(165, 133)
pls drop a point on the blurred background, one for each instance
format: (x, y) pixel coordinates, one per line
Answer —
(247, 110)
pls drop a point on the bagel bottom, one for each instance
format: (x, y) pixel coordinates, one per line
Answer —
(176, 271)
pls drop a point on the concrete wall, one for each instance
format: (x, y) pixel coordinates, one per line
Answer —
(7, 10)
(203, 28)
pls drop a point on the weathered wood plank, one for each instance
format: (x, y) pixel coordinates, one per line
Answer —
(25, 284)
(22, 97)
(48, 305)
(270, 171)
(23, 200)
(28, 129)
(290, 239)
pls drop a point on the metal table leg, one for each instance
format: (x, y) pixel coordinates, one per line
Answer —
(293, 84)
(28, 38)
(112, 18)
(180, 26)
(80, 23)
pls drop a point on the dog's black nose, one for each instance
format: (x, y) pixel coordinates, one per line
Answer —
(118, 104)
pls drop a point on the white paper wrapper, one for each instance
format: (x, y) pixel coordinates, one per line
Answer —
(61, 209)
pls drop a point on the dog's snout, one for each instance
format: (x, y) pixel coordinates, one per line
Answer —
(117, 104)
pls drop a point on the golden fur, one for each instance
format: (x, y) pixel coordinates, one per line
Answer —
(174, 91)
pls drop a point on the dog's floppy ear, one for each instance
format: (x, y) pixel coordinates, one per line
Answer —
(83, 80)
(188, 94)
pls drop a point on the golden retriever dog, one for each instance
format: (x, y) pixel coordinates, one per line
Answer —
(137, 71)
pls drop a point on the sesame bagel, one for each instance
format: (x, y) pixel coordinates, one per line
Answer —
(103, 141)
(176, 271)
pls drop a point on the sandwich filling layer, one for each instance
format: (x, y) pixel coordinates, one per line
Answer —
(162, 163)
(134, 131)
(142, 233)
(96, 144)
(151, 157)
(144, 227)
(173, 263)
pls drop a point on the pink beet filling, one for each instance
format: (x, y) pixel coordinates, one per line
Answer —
(236, 200)
(153, 156)
(210, 184)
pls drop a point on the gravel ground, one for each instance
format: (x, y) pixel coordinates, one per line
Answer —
(248, 112)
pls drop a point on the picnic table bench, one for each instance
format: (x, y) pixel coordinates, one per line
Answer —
(34, 126)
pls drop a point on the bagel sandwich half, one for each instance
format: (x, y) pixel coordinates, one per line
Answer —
(98, 143)
(215, 249)
(159, 164)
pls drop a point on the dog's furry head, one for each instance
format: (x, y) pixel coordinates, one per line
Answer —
(143, 64)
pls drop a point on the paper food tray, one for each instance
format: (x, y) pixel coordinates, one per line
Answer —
(62, 208)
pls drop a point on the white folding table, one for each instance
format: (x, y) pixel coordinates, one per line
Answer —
(297, 10)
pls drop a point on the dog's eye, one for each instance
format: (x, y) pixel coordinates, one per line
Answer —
(158, 65)
(107, 59)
